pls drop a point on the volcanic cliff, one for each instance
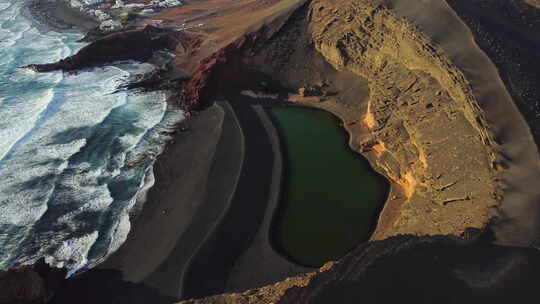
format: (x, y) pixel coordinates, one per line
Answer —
(422, 127)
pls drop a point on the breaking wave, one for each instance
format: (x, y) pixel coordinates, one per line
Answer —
(74, 152)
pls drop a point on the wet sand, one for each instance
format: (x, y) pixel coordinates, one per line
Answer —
(147, 267)
(182, 175)
(519, 208)
(222, 179)
(204, 228)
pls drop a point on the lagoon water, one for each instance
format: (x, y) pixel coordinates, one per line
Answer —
(331, 196)
(74, 153)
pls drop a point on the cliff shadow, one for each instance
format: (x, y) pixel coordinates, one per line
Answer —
(439, 269)
(106, 286)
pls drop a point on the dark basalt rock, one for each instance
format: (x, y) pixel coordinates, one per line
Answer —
(165, 76)
(35, 284)
(138, 45)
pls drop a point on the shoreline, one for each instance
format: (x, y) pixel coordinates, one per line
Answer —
(358, 132)
(168, 201)
(247, 273)
(59, 16)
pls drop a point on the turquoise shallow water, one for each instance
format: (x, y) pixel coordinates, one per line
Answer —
(331, 196)
(73, 152)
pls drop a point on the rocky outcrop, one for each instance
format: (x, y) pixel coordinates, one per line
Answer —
(438, 269)
(138, 45)
(29, 284)
(427, 130)
(264, 295)
(226, 63)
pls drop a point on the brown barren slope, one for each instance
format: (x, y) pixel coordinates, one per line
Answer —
(429, 133)
(221, 22)
(422, 126)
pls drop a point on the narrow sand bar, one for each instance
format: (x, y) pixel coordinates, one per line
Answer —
(520, 206)
(260, 264)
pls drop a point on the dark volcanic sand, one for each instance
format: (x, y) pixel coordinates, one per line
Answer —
(214, 263)
(201, 228)
(181, 173)
(507, 31)
(194, 177)
(261, 264)
(220, 186)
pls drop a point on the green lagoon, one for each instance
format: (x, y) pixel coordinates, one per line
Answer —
(330, 194)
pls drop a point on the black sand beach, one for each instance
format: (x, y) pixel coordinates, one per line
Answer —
(250, 212)
(184, 173)
(193, 178)
(219, 188)
(271, 266)
(181, 173)
(204, 228)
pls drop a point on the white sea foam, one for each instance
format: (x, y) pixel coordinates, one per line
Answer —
(72, 253)
(73, 151)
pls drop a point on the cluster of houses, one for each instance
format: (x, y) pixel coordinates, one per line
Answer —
(109, 23)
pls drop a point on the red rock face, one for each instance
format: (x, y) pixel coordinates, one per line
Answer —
(228, 63)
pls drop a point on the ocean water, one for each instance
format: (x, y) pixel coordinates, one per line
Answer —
(74, 151)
